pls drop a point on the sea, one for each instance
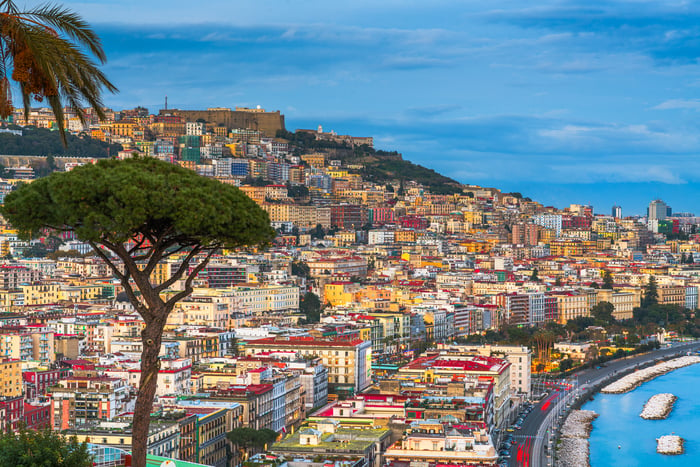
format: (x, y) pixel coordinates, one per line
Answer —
(620, 437)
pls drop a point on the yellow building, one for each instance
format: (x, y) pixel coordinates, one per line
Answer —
(671, 295)
(41, 293)
(405, 236)
(571, 306)
(624, 302)
(80, 293)
(256, 193)
(473, 217)
(202, 310)
(315, 160)
(340, 293)
(119, 129)
(10, 378)
(343, 239)
(567, 248)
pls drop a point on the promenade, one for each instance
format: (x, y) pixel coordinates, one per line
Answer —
(541, 428)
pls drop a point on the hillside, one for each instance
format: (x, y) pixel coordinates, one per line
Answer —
(377, 166)
(42, 142)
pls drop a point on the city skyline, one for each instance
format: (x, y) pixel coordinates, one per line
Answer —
(564, 102)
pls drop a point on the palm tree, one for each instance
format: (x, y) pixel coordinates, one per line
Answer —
(47, 52)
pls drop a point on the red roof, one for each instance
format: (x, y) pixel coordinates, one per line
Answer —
(308, 341)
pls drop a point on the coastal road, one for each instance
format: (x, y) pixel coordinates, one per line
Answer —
(531, 442)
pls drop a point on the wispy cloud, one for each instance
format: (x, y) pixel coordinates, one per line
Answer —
(692, 104)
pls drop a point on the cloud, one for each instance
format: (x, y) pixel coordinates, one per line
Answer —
(693, 104)
(432, 110)
(668, 32)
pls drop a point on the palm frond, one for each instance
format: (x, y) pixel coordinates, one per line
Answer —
(48, 49)
(70, 23)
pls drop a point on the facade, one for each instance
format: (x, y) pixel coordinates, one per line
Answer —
(446, 366)
(349, 216)
(10, 378)
(163, 437)
(430, 442)
(658, 210)
(37, 381)
(78, 400)
(173, 377)
(349, 362)
(519, 357)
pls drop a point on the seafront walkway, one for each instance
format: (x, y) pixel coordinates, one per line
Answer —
(543, 424)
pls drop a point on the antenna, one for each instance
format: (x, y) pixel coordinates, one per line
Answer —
(166, 102)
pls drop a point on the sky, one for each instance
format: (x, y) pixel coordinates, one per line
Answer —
(564, 101)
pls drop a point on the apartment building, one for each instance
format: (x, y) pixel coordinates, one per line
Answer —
(348, 361)
(78, 400)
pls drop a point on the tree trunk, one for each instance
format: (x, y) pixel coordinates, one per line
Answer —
(150, 365)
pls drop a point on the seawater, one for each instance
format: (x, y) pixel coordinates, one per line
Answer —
(619, 423)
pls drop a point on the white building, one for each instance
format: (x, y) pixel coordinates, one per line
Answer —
(691, 297)
(549, 221)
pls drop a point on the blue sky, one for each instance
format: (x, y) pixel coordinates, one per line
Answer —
(564, 101)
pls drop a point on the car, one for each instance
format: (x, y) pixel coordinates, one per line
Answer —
(510, 429)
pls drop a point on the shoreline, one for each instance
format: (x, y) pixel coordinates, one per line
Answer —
(574, 447)
(633, 380)
(579, 447)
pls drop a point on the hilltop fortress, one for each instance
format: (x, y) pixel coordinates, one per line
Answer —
(268, 123)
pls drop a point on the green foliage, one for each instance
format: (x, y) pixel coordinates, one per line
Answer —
(661, 315)
(607, 280)
(378, 166)
(534, 277)
(36, 250)
(257, 181)
(250, 438)
(118, 201)
(579, 324)
(305, 141)
(317, 232)
(381, 170)
(46, 448)
(297, 191)
(300, 269)
(603, 312)
(520, 335)
(43, 142)
(566, 364)
(651, 295)
(310, 305)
